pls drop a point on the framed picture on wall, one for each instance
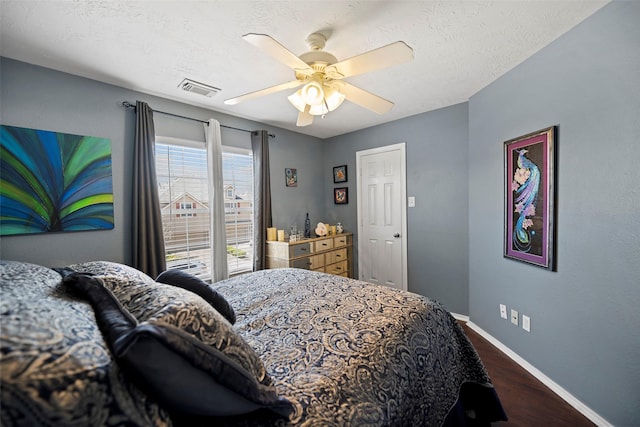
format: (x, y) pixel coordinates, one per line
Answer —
(529, 194)
(54, 182)
(341, 196)
(340, 174)
(291, 177)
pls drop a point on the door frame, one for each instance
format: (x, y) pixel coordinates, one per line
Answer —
(403, 197)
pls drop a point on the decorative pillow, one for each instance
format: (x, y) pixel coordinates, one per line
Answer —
(179, 351)
(55, 367)
(108, 268)
(191, 283)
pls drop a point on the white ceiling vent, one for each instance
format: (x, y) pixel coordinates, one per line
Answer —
(199, 88)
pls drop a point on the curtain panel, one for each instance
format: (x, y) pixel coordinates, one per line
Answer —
(217, 225)
(148, 239)
(261, 196)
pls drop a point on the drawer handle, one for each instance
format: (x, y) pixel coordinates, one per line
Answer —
(303, 249)
(338, 268)
(338, 256)
(309, 264)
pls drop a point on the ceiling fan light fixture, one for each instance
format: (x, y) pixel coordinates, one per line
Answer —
(310, 94)
(318, 110)
(333, 98)
(318, 106)
(320, 74)
(296, 100)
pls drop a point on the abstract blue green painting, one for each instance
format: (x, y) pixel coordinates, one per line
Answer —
(53, 182)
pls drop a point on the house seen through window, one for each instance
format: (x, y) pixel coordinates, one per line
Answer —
(183, 191)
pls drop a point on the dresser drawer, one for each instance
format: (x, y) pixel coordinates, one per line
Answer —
(299, 250)
(323, 245)
(340, 241)
(308, 263)
(338, 268)
(335, 256)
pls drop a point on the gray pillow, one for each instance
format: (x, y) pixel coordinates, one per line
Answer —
(191, 283)
(171, 362)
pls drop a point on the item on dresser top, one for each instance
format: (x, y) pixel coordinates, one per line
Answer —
(271, 234)
(307, 227)
(321, 229)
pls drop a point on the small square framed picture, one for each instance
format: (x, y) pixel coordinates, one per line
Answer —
(340, 174)
(341, 196)
(291, 177)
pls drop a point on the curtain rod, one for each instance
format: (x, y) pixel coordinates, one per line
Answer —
(127, 104)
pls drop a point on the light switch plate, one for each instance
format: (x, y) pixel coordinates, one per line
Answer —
(412, 202)
(503, 311)
(526, 323)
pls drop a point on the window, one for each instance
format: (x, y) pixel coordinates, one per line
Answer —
(181, 169)
(237, 170)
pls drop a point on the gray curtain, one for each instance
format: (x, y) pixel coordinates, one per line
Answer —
(261, 196)
(148, 239)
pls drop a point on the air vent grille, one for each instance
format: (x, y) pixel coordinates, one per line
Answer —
(199, 88)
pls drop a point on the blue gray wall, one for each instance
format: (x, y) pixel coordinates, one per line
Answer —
(437, 233)
(585, 317)
(40, 98)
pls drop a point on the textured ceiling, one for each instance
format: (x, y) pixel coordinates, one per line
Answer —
(151, 46)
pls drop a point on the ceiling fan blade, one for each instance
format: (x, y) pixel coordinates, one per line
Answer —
(382, 57)
(262, 92)
(304, 118)
(365, 99)
(275, 49)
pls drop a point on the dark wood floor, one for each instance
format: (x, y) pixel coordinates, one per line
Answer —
(526, 400)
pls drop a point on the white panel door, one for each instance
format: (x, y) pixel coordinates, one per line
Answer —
(381, 216)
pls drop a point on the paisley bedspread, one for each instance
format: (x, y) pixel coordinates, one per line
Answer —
(342, 352)
(349, 353)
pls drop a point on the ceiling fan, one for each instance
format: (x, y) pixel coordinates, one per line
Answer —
(322, 75)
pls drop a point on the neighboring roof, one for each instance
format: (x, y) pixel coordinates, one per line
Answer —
(181, 198)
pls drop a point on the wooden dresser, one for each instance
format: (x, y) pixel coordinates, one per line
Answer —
(329, 254)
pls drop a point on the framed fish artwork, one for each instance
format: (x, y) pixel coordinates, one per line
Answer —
(54, 182)
(530, 204)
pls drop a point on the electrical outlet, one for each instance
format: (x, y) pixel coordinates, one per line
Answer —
(514, 317)
(526, 323)
(503, 311)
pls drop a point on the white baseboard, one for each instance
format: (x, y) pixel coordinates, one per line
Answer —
(460, 317)
(557, 389)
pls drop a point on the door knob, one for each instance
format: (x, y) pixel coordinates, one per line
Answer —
(397, 235)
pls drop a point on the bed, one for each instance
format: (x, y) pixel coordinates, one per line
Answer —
(307, 348)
